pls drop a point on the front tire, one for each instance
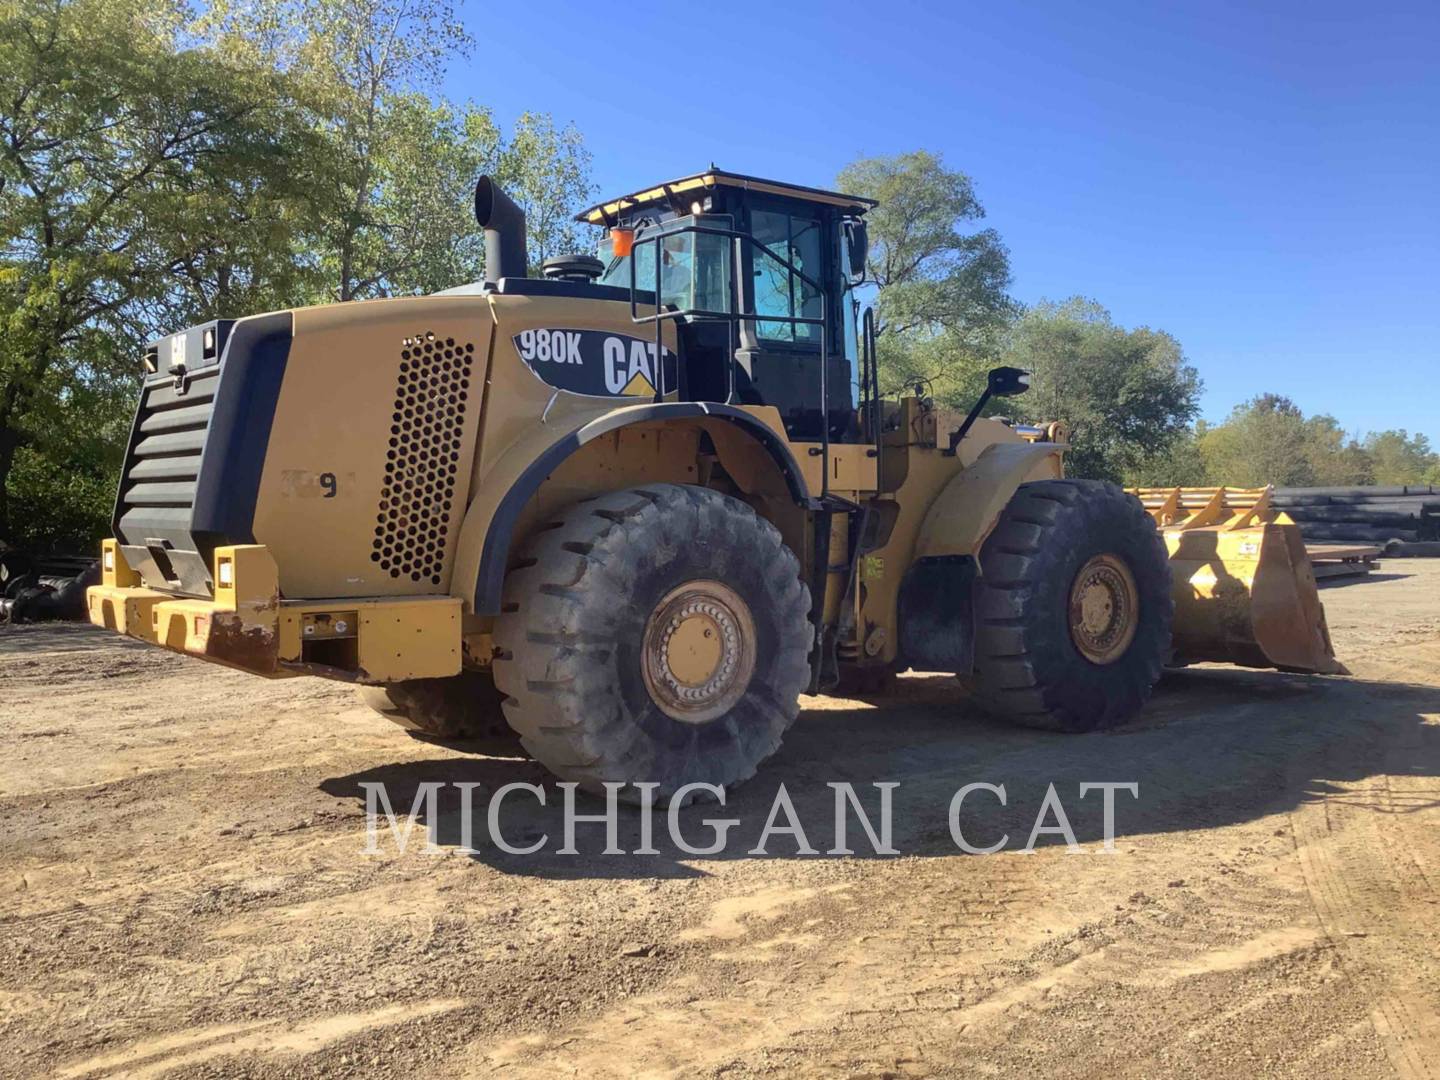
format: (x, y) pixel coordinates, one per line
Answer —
(1072, 609)
(659, 634)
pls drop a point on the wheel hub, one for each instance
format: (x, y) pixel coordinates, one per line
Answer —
(699, 651)
(1104, 609)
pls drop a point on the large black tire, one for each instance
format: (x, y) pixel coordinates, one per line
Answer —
(462, 708)
(1032, 666)
(584, 618)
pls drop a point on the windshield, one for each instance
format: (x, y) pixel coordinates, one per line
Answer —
(694, 268)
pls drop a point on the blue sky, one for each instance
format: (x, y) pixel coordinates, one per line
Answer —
(1262, 180)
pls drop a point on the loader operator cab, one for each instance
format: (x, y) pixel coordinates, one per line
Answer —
(759, 279)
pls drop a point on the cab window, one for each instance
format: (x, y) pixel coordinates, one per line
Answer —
(694, 269)
(617, 267)
(777, 290)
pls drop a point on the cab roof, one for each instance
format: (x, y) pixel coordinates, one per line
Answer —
(713, 178)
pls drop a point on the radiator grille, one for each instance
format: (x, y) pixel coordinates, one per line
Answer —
(423, 460)
(158, 490)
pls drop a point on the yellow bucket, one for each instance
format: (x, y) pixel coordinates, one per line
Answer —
(1244, 589)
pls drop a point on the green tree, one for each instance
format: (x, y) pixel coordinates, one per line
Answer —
(1401, 458)
(426, 238)
(1262, 442)
(938, 366)
(932, 274)
(367, 66)
(119, 133)
(62, 482)
(402, 163)
(942, 302)
(1335, 459)
(547, 171)
(159, 169)
(422, 235)
(1268, 440)
(1128, 395)
(1177, 464)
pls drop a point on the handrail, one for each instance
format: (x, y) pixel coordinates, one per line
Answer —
(870, 369)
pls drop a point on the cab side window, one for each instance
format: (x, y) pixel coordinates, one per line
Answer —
(777, 290)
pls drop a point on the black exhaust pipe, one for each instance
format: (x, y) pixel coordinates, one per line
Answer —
(504, 225)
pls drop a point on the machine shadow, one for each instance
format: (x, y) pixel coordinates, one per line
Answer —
(1214, 747)
(1343, 580)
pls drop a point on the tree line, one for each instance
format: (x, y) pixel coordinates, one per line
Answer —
(945, 316)
(162, 165)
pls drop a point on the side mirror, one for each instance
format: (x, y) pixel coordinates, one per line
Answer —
(1000, 382)
(1007, 382)
(858, 241)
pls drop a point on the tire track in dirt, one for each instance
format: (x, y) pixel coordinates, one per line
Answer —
(1371, 892)
(152, 1058)
(211, 829)
(950, 971)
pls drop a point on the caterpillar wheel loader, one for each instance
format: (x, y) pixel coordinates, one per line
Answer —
(630, 509)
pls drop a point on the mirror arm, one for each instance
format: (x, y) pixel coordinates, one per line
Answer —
(974, 414)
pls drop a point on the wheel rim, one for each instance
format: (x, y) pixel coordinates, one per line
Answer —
(1104, 609)
(699, 651)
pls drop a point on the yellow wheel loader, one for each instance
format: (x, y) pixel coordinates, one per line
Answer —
(630, 509)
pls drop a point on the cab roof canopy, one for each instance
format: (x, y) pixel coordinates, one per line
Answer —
(709, 180)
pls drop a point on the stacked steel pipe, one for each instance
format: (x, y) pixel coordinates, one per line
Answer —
(1408, 513)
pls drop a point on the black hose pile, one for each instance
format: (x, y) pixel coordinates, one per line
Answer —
(39, 590)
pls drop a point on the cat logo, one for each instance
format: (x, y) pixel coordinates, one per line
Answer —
(596, 363)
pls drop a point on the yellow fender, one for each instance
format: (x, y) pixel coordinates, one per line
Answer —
(507, 486)
(967, 509)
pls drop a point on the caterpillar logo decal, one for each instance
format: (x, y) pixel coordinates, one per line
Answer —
(594, 362)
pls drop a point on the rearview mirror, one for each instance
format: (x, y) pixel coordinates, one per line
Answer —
(999, 382)
(858, 241)
(1008, 381)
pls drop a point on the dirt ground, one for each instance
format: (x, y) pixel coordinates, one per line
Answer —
(183, 889)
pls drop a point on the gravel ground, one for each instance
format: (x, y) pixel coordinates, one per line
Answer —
(183, 887)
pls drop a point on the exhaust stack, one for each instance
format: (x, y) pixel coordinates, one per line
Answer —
(504, 225)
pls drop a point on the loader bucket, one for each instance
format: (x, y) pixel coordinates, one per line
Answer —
(1244, 589)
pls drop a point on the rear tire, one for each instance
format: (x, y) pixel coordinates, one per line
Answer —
(1072, 609)
(659, 634)
(462, 708)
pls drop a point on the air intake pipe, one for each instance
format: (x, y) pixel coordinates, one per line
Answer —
(504, 225)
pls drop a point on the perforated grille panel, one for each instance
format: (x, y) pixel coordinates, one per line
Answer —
(421, 464)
